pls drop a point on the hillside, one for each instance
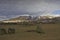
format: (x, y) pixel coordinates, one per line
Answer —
(21, 18)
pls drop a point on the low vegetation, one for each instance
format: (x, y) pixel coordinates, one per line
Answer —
(31, 32)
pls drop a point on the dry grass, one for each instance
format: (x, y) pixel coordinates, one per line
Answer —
(52, 32)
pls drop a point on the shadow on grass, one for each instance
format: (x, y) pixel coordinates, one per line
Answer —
(35, 31)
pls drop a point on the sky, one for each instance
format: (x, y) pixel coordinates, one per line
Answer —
(14, 8)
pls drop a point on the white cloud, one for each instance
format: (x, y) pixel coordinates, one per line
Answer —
(34, 7)
(40, 5)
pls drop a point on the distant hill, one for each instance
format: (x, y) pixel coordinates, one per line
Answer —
(22, 18)
(18, 19)
(29, 18)
(57, 19)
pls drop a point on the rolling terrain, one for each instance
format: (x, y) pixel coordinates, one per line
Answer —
(51, 32)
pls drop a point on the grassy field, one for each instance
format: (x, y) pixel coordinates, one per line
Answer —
(51, 32)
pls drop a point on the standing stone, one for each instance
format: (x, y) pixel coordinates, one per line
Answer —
(11, 30)
(39, 29)
(2, 31)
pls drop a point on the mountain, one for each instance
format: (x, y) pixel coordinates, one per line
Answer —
(21, 18)
(18, 19)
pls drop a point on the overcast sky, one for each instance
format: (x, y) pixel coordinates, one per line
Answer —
(12, 8)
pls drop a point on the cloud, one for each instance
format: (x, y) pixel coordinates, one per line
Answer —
(31, 7)
(2, 16)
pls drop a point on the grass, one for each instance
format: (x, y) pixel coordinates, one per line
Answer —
(52, 32)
